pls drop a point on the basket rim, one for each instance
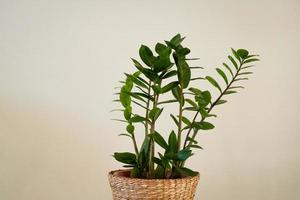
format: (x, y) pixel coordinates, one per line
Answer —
(112, 174)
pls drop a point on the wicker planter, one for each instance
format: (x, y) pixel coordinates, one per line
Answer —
(126, 188)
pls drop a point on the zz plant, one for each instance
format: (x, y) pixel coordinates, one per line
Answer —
(168, 71)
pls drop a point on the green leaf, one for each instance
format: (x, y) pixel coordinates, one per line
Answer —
(233, 62)
(156, 89)
(172, 141)
(130, 128)
(186, 120)
(186, 171)
(146, 55)
(236, 87)
(245, 73)
(125, 97)
(127, 112)
(246, 67)
(137, 81)
(161, 63)
(176, 93)
(176, 40)
(183, 51)
(241, 79)
(137, 118)
(192, 103)
(168, 101)
(204, 125)
(192, 140)
(174, 119)
(162, 49)
(183, 73)
(125, 157)
(183, 154)
(251, 60)
(169, 87)
(203, 99)
(228, 68)
(243, 53)
(195, 90)
(159, 140)
(236, 55)
(124, 134)
(159, 172)
(147, 72)
(154, 113)
(221, 101)
(214, 83)
(195, 146)
(170, 74)
(229, 92)
(223, 75)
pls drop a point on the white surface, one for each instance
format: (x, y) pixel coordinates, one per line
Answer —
(59, 63)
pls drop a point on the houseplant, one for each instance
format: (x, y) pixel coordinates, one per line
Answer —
(164, 175)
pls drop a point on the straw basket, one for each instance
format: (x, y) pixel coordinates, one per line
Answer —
(126, 188)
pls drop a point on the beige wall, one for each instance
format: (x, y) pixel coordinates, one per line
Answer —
(59, 63)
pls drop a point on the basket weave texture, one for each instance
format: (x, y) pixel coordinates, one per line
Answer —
(126, 188)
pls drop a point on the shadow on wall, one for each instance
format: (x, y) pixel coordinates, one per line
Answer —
(45, 155)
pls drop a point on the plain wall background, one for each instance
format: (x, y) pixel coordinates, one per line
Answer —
(59, 63)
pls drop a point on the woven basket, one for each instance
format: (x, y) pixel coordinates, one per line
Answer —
(126, 188)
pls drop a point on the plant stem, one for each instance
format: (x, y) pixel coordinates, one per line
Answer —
(180, 120)
(135, 145)
(147, 111)
(152, 147)
(208, 111)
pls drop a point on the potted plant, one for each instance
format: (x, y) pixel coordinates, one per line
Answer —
(164, 175)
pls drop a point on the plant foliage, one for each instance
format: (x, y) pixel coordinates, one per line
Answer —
(165, 70)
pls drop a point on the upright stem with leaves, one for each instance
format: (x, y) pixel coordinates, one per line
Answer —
(143, 89)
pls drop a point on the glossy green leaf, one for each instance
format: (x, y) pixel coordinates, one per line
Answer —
(169, 87)
(229, 92)
(174, 119)
(176, 40)
(243, 53)
(204, 125)
(172, 142)
(125, 97)
(147, 72)
(130, 128)
(125, 157)
(214, 83)
(245, 73)
(127, 112)
(183, 73)
(146, 55)
(137, 118)
(228, 68)
(195, 146)
(159, 140)
(155, 113)
(162, 49)
(170, 74)
(251, 60)
(233, 62)
(183, 154)
(137, 81)
(192, 103)
(167, 101)
(236, 55)
(186, 120)
(124, 134)
(187, 172)
(221, 101)
(223, 75)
